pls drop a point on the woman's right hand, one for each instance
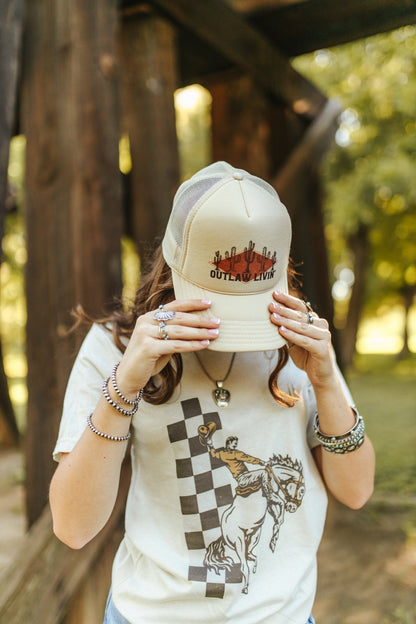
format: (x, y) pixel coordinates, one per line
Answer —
(147, 353)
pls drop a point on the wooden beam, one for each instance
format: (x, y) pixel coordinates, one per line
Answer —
(312, 147)
(298, 184)
(41, 584)
(300, 27)
(244, 46)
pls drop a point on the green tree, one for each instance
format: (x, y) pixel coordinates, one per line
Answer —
(369, 175)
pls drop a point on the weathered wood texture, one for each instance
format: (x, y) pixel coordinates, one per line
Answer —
(73, 201)
(148, 81)
(240, 128)
(301, 27)
(249, 130)
(48, 583)
(226, 32)
(296, 27)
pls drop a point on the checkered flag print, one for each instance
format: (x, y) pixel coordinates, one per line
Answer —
(205, 492)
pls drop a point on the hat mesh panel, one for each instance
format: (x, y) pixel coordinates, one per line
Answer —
(192, 192)
(185, 202)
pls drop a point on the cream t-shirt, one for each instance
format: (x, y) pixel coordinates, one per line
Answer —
(198, 550)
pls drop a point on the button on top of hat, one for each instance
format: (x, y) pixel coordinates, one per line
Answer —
(237, 175)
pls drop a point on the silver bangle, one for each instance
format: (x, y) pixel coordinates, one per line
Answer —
(119, 393)
(107, 436)
(116, 406)
(345, 443)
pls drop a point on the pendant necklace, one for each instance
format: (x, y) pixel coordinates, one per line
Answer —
(220, 395)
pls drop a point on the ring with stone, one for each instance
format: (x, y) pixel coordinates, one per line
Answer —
(309, 316)
(163, 315)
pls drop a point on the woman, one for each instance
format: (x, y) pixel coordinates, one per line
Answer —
(239, 420)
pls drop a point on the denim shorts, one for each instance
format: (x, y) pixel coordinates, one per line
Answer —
(112, 616)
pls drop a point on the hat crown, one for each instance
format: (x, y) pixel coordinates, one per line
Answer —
(192, 190)
(228, 234)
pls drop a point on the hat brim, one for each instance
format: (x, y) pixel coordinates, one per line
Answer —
(245, 319)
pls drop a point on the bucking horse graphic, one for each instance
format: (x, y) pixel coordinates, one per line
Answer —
(275, 487)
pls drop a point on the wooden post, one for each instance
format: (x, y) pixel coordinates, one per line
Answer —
(299, 187)
(240, 129)
(10, 38)
(149, 79)
(73, 201)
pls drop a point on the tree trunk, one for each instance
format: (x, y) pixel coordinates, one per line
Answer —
(358, 244)
(408, 293)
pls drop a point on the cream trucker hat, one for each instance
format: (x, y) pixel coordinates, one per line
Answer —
(228, 239)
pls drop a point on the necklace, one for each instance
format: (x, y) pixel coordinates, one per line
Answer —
(221, 395)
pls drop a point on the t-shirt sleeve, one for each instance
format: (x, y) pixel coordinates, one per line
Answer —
(93, 364)
(310, 401)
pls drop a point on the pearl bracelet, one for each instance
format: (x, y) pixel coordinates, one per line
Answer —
(107, 436)
(345, 443)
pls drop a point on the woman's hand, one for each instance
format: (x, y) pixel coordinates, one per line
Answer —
(152, 343)
(307, 335)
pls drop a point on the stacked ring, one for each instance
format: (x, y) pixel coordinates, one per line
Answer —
(163, 334)
(163, 315)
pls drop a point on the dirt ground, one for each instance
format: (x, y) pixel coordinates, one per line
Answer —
(367, 559)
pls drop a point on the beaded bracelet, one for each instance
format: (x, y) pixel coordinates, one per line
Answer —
(134, 402)
(107, 436)
(117, 389)
(345, 443)
(116, 406)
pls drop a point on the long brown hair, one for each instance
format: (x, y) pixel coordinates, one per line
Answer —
(156, 288)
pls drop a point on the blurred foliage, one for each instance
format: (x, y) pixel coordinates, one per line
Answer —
(193, 128)
(369, 175)
(12, 295)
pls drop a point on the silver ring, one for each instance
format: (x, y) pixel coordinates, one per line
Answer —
(309, 317)
(163, 315)
(163, 334)
(308, 306)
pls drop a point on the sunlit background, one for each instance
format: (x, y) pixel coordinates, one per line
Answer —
(371, 102)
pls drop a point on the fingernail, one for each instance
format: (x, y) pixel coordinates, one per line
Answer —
(213, 332)
(217, 321)
(205, 342)
(206, 301)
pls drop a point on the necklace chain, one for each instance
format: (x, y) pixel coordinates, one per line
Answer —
(216, 381)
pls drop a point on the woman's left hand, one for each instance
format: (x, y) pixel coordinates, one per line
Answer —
(307, 335)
